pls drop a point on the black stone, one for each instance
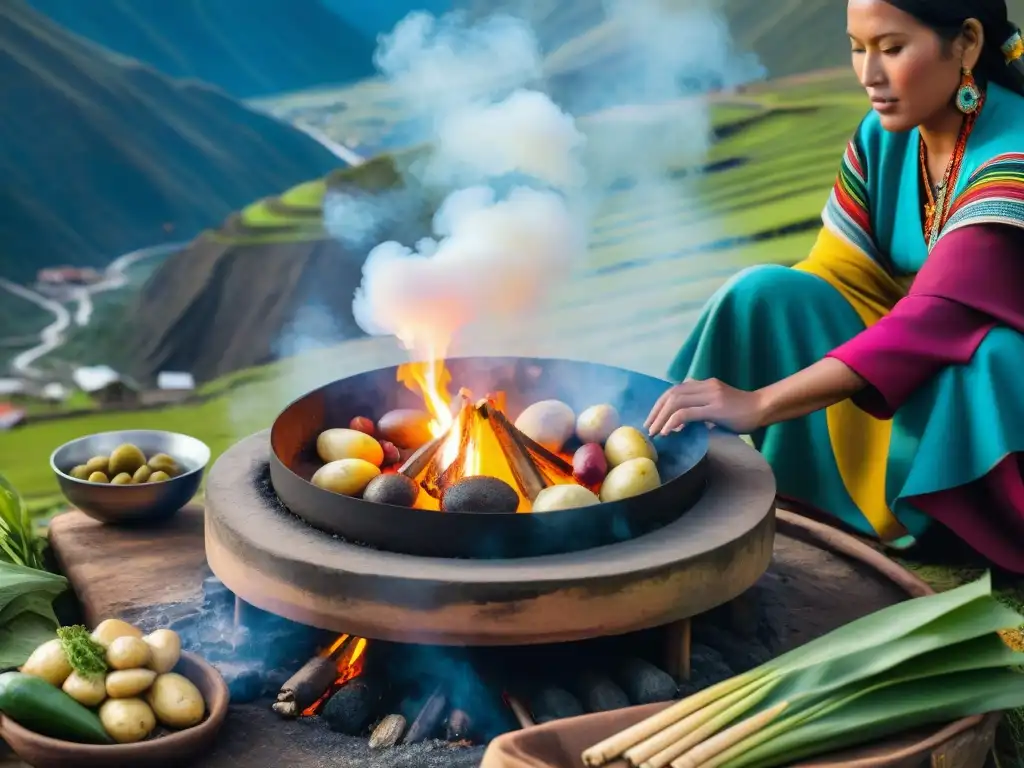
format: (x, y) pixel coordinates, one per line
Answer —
(480, 494)
(599, 693)
(394, 488)
(549, 704)
(644, 683)
(353, 707)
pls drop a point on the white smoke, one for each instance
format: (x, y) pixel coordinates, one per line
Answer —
(526, 178)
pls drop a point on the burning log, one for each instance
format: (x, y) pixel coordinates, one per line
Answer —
(522, 714)
(388, 732)
(459, 726)
(554, 704)
(528, 477)
(429, 717)
(415, 464)
(529, 445)
(303, 689)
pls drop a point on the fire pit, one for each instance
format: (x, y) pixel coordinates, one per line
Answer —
(420, 594)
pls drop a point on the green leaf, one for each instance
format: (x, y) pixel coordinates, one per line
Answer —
(18, 541)
(890, 709)
(22, 636)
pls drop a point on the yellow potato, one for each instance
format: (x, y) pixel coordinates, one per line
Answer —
(127, 720)
(87, 691)
(176, 701)
(128, 683)
(166, 650)
(631, 478)
(109, 630)
(337, 444)
(556, 497)
(128, 653)
(627, 443)
(348, 476)
(49, 662)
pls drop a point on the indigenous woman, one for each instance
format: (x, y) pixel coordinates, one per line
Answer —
(883, 376)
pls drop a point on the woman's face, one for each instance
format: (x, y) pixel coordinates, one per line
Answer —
(908, 71)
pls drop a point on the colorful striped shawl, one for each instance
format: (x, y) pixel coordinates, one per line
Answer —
(875, 205)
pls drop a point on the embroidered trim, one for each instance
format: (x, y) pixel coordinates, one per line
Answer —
(994, 195)
(847, 213)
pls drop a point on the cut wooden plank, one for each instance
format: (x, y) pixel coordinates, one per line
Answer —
(115, 570)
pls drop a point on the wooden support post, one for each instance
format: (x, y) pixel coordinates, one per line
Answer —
(677, 649)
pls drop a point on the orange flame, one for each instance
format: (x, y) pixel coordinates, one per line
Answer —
(350, 662)
(430, 379)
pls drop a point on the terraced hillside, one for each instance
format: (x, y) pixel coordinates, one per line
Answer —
(103, 156)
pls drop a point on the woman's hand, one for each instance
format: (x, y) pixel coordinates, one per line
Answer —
(710, 400)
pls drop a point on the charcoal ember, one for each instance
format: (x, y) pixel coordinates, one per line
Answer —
(352, 707)
(552, 703)
(644, 683)
(599, 693)
(740, 654)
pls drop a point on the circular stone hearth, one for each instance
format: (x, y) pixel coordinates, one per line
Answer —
(273, 560)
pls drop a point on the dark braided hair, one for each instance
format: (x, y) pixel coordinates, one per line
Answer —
(947, 18)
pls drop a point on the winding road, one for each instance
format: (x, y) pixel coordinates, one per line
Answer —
(54, 335)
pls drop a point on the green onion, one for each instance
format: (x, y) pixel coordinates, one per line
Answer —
(751, 720)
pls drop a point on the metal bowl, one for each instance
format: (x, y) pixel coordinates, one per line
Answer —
(127, 504)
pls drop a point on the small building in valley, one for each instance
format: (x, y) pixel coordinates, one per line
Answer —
(171, 387)
(105, 385)
(11, 416)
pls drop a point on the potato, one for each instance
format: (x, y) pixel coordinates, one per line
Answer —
(159, 477)
(126, 458)
(166, 650)
(127, 720)
(348, 477)
(49, 662)
(589, 465)
(161, 462)
(597, 423)
(363, 424)
(122, 479)
(406, 428)
(176, 701)
(627, 443)
(108, 630)
(337, 444)
(631, 478)
(142, 475)
(548, 422)
(98, 464)
(98, 477)
(128, 683)
(128, 653)
(81, 472)
(87, 691)
(556, 497)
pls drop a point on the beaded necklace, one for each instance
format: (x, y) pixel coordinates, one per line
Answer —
(939, 201)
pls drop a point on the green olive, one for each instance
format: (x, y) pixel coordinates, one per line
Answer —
(98, 477)
(142, 474)
(121, 479)
(159, 477)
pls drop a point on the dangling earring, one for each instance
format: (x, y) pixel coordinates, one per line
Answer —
(968, 95)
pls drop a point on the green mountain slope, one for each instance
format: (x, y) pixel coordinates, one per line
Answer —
(247, 48)
(100, 157)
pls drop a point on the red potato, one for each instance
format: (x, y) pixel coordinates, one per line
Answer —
(589, 465)
(392, 455)
(364, 425)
